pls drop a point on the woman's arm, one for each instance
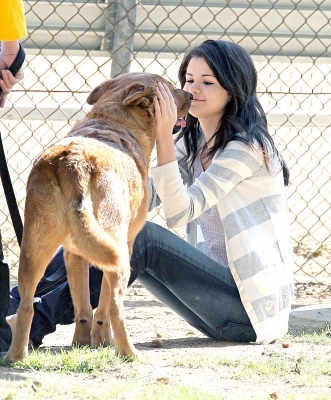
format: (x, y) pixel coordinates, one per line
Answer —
(228, 168)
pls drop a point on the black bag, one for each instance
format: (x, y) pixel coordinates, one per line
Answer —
(5, 331)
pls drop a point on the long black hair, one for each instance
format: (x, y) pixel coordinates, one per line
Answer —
(244, 118)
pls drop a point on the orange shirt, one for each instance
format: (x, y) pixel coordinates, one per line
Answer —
(12, 20)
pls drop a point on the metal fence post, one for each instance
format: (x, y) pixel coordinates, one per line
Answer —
(110, 12)
(123, 35)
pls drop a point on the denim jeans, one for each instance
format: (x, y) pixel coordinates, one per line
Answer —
(196, 287)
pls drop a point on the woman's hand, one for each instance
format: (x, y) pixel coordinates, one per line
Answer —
(165, 111)
(165, 119)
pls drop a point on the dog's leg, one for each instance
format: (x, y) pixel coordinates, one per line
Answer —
(78, 279)
(32, 267)
(111, 307)
(101, 328)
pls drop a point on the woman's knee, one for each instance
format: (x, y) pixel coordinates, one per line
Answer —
(146, 238)
(142, 249)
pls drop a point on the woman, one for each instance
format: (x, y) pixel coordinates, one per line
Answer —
(225, 173)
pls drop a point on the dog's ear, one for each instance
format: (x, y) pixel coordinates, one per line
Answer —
(97, 92)
(139, 94)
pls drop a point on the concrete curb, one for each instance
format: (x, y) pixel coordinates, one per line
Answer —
(310, 318)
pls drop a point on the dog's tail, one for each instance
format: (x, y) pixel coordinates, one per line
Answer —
(91, 240)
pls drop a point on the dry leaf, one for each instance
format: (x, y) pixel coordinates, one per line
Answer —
(163, 379)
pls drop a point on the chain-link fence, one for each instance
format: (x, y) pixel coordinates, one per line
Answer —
(74, 45)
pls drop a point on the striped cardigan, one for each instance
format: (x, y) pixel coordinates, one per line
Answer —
(253, 207)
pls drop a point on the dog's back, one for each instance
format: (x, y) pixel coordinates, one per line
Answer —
(88, 193)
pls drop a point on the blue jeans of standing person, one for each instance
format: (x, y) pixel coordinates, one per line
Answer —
(196, 287)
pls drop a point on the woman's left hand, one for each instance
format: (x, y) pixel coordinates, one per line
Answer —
(165, 111)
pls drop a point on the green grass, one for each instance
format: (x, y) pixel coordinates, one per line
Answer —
(90, 367)
(83, 373)
(309, 367)
(322, 337)
(76, 360)
(304, 368)
(109, 389)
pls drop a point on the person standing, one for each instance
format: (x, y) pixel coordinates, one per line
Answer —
(12, 29)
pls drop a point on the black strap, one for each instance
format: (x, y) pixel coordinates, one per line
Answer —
(10, 196)
(5, 177)
(18, 62)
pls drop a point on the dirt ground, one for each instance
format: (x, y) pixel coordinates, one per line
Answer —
(147, 318)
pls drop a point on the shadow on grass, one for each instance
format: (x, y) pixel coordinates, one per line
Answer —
(189, 343)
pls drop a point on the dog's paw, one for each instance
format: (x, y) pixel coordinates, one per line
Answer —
(129, 352)
(101, 335)
(82, 335)
(100, 341)
(12, 356)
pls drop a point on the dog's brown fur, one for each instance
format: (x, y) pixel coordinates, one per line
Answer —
(89, 193)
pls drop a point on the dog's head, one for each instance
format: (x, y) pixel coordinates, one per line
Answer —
(127, 101)
(137, 89)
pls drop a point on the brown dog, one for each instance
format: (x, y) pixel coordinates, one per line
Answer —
(89, 193)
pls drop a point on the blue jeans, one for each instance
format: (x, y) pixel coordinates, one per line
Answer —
(196, 287)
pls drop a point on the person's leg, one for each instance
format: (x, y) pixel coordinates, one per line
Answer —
(5, 331)
(55, 275)
(56, 307)
(199, 289)
(53, 303)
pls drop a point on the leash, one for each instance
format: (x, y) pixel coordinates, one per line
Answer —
(5, 176)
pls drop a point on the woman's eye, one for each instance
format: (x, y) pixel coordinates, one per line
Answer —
(208, 83)
(189, 80)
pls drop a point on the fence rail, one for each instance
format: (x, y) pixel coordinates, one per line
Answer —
(73, 46)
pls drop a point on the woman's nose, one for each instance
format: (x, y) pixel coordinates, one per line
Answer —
(194, 88)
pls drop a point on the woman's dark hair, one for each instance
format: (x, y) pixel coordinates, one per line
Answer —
(243, 119)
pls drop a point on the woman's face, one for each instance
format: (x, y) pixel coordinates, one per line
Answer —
(209, 97)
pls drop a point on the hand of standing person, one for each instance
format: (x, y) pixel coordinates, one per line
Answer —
(8, 54)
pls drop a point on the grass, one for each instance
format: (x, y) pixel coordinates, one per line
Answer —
(303, 369)
(300, 361)
(110, 389)
(311, 366)
(89, 367)
(76, 360)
